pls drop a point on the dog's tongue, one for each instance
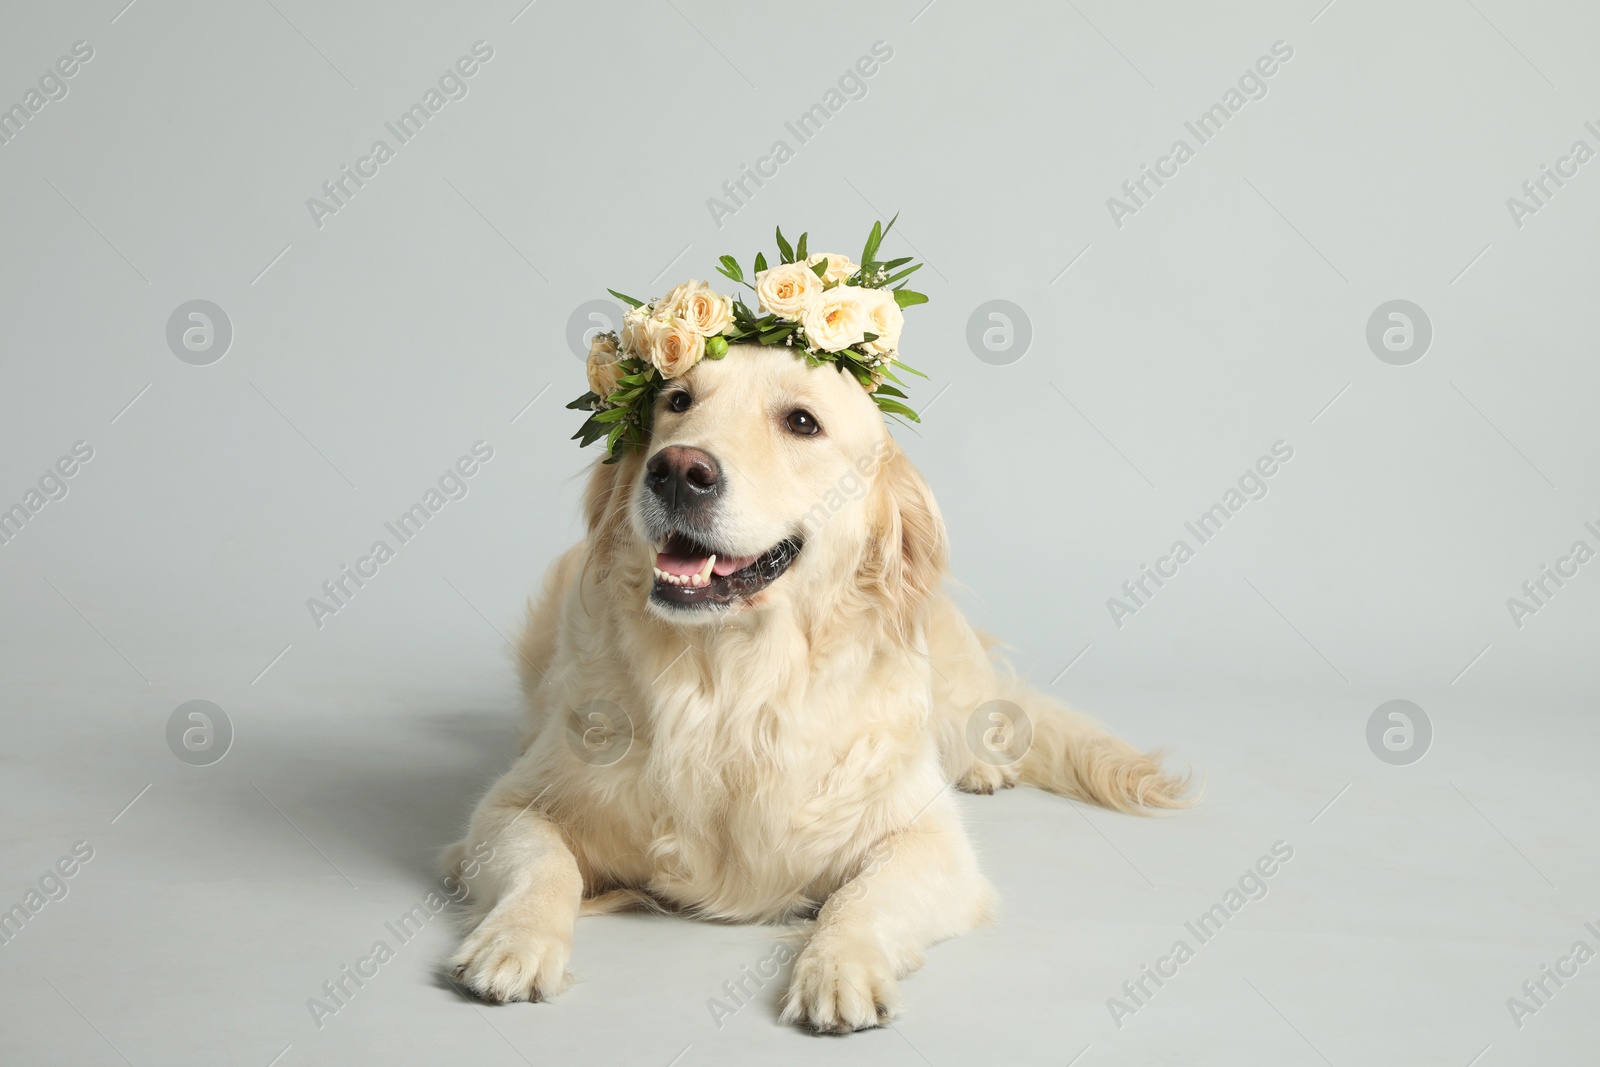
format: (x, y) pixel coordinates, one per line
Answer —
(684, 565)
(724, 567)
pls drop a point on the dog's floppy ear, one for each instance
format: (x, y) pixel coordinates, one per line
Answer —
(908, 553)
(605, 501)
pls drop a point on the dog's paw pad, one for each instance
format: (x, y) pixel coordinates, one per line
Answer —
(840, 992)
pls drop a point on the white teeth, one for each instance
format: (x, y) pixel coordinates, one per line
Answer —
(693, 581)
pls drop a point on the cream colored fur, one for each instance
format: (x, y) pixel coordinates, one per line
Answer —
(790, 756)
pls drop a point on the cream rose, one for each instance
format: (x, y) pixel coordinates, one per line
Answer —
(672, 346)
(707, 312)
(671, 305)
(837, 319)
(885, 319)
(839, 266)
(604, 366)
(787, 290)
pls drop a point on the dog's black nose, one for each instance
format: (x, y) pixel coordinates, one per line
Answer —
(683, 477)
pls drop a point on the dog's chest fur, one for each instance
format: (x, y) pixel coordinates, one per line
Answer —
(755, 786)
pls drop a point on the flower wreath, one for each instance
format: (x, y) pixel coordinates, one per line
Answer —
(825, 307)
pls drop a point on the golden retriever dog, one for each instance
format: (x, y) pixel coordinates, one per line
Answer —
(748, 697)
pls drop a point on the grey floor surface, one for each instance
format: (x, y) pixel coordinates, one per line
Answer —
(1417, 901)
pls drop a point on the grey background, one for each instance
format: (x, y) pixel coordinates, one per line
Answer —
(1229, 313)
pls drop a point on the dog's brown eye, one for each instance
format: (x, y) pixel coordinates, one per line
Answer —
(679, 401)
(802, 422)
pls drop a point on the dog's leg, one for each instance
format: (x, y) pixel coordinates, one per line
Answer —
(918, 886)
(526, 891)
(993, 732)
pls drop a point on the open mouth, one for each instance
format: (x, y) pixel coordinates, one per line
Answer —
(689, 574)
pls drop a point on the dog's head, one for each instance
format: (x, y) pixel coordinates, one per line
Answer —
(768, 483)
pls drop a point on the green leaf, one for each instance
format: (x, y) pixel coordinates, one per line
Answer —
(887, 282)
(731, 268)
(819, 268)
(910, 369)
(907, 298)
(630, 301)
(885, 389)
(869, 254)
(589, 432)
(894, 407)
(583, 403)
(784, 247)
(610, 415)
(800, 248)
(761, 262)
(870, 249)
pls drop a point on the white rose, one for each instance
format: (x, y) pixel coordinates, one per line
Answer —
(885, 319)
(837, 320)
(673, 346)
(839, 266)
(635, 342)
(787, 290)
(604, 366)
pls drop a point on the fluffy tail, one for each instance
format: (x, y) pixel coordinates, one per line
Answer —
(1075, 756)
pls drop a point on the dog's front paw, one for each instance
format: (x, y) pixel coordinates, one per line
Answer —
(506, 959)
(840, 988)
(987, 777)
